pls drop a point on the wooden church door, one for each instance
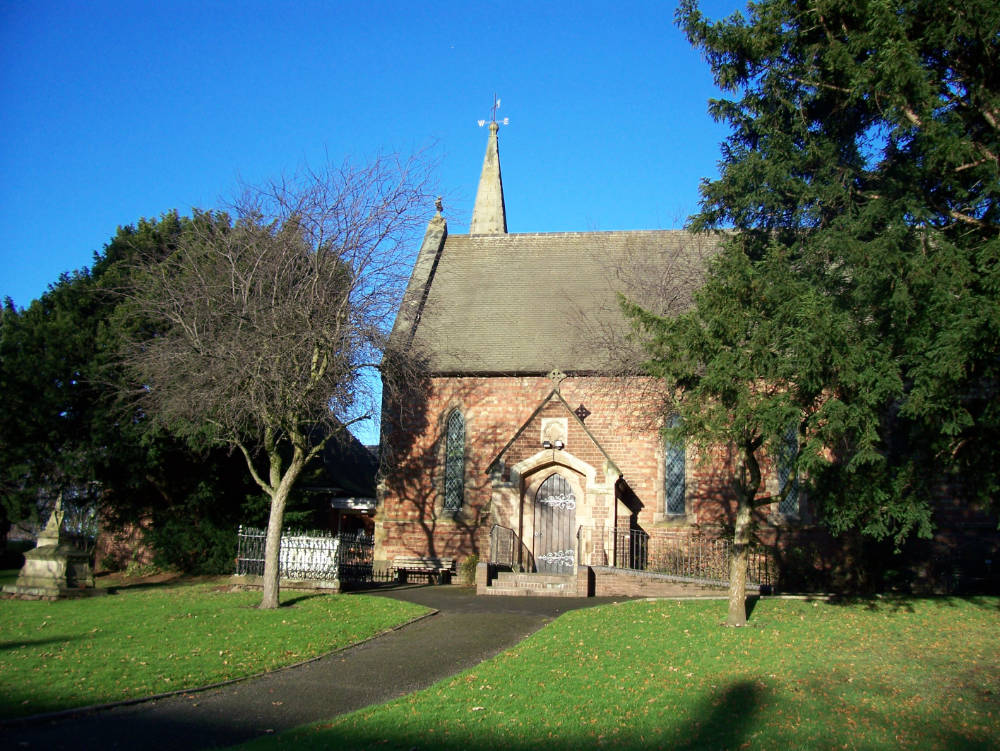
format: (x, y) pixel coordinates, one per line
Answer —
(555, 523)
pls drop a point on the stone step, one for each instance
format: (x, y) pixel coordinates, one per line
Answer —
(533, 580)
(529, 591)
(539, 585)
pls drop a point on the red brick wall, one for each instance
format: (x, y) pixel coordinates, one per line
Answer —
(117, 548)
(410, 520)
(623, 420)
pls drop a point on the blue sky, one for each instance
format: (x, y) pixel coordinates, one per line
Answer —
(112, 111)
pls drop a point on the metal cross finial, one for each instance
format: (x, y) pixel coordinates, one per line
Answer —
(493, 114)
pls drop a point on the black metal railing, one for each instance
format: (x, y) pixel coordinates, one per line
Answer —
(356, 558)
(697, 557)
(630, 549)
(703, 558)
(316, 555)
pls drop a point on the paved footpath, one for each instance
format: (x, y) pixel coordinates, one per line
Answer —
(466, 630)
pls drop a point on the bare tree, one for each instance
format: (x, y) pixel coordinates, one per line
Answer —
(266, 326)
(659, 274)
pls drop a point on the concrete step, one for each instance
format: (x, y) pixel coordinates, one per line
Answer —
(539, 585)
(535, 587)
(533, 580)
(528, 592)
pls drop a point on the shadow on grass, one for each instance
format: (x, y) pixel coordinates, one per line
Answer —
(140, 585)
(730, 718)
(9, 645)
(724, 721)
(119, 589)
(904, 603)
(293, 601)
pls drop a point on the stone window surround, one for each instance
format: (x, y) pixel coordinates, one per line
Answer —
(660, 515)
(669, 447)
(441, 511)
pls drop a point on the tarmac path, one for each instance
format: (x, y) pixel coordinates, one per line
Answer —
(465, 631)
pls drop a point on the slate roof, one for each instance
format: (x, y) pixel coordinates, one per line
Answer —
(528, 303)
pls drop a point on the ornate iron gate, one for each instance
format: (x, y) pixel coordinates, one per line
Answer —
(555, 521)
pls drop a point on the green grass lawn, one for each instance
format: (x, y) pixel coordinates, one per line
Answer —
(920, 674)
(149, 640)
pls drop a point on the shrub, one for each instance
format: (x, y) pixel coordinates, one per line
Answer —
(468, 570)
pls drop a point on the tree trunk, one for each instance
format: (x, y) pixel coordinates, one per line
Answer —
(738, 565)
(275, 523)
(749, 474)
(272, 548)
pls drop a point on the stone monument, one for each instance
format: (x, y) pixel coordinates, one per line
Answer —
(55, 568)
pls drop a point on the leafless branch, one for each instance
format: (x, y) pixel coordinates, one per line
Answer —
(264, 323)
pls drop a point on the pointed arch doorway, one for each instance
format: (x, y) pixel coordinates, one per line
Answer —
(554, 524)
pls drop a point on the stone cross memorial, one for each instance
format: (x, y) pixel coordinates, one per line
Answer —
(55, 568)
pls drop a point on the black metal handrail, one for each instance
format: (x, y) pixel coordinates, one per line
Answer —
(503, 546)
(704, 558)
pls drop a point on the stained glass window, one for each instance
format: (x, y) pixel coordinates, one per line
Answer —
(789, 448)
(454, 462)
(674, 461)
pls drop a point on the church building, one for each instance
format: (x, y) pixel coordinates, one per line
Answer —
(527, 435)
(528, 445)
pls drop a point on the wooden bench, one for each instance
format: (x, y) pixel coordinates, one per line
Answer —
(436, 569)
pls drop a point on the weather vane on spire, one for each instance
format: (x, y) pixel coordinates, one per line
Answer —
(493, 114)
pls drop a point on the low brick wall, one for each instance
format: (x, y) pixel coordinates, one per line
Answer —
(482, 577)
(604, 581)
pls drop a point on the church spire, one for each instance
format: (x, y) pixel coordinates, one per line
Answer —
(488, 215)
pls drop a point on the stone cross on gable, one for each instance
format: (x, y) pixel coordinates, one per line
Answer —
(557, 377)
